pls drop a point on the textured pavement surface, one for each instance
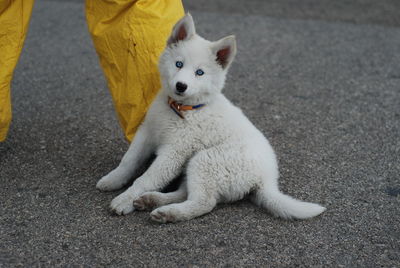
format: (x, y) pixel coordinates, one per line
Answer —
(320, 79)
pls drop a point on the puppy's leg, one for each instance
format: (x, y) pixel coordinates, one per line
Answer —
(139, 151)
(198, 203)
(168, 165)
(151, 200)
(202, 193)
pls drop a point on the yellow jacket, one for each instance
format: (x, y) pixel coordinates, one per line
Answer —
(128, 36)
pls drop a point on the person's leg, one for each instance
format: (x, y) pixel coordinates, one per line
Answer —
(129, 36)
(14, 21)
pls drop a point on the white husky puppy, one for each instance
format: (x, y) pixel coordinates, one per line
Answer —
(193, 128)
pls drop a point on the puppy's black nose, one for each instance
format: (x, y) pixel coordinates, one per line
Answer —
(181, 87)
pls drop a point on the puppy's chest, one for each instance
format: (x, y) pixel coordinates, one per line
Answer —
(193, 130)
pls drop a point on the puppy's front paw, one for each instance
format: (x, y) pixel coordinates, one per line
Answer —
(104, 184)
(163, 215)
(122, 204)
(109, 182)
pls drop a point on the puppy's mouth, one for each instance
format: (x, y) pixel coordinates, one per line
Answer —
(180, 93)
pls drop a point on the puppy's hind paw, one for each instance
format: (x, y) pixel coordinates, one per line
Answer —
(161, 216)
(145, 202)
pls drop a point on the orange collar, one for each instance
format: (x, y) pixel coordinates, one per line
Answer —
(179, 107)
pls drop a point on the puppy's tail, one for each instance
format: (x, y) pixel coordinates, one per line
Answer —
(284, 206)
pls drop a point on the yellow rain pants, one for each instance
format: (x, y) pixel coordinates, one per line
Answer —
(128, 35)
(14, 21)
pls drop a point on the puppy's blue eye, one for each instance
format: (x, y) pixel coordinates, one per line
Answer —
(199, 72)
(179, 64)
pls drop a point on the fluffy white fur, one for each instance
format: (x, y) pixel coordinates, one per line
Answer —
(224, 157)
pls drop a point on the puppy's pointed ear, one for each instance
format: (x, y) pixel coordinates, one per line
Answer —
(224, 51)
(183, 30)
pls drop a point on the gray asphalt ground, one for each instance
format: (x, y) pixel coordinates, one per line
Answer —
(321, 79)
